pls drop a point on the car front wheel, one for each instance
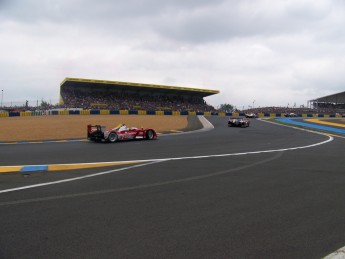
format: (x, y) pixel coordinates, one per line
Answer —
(150, 135)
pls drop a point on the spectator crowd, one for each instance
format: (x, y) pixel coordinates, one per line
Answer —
(320, 109)
(282, 110)
(330, 108)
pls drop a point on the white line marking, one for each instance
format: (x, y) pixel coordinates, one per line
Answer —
(142, 186)
(75, 178)
(152, 161)
(339, 254)
(298, 128)
(304, 129)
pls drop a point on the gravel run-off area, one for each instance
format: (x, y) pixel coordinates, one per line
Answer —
(75, 126)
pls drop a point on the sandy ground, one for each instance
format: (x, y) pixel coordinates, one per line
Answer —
(74, 126)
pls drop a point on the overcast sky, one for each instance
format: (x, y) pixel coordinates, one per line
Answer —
(262, 52)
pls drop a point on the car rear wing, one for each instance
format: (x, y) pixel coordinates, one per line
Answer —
(95, 131)
(91, 128)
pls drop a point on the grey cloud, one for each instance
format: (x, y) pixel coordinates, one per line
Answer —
(228, 20)
(244, 46)
(95, 11)
(189, 21)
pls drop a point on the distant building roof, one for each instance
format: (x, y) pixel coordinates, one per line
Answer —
(135, 87)
(333, 98)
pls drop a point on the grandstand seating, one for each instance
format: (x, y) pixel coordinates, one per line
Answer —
(125, 101)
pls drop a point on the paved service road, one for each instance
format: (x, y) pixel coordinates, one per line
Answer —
(219, 197)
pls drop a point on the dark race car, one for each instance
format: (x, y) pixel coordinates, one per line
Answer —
(251, 115)
(238, 122)
(99, 133)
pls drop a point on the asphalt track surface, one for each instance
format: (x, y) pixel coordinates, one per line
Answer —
(219, 197)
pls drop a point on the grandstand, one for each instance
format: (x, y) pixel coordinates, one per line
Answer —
(334, 103)
(114, 95)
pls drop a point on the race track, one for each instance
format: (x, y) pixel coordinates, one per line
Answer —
(267, 191)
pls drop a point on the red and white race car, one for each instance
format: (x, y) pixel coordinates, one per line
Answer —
(99, 133)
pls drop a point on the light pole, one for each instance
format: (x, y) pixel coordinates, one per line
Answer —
(253, 104)
(2, 96)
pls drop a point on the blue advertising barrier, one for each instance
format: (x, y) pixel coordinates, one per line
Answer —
(13, 114)
(133, 112)
(95, 112)
(113, 112)
(74, 112)
(151, 112)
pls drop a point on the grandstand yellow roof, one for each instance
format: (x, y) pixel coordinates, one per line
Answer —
(85, 82)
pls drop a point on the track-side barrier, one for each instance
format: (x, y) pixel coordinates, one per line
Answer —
(153, 112)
